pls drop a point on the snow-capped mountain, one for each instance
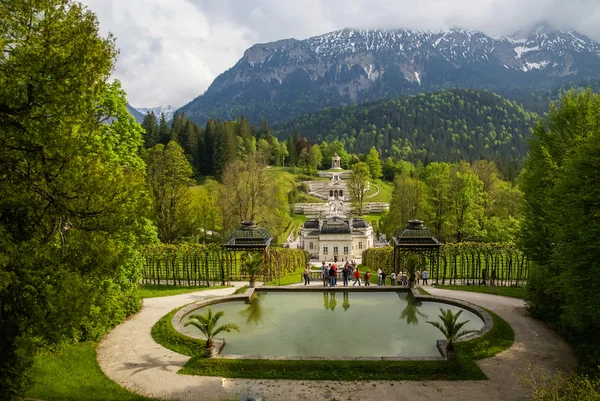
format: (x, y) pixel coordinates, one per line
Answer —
(167, 110)
(282, 79)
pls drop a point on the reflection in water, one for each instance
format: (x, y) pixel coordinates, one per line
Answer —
(346, 304)
(329, 301)
(411, 311)
(295, 324)
(255, 309)
(332, 301)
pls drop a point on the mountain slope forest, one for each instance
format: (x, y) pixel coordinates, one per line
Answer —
(452, 125)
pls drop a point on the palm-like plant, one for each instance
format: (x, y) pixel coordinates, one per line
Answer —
(207, 324)
(451, 329)
(252, 266)
(413, 264)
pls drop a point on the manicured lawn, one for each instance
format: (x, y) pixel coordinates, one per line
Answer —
(73, 374)
(154, 291)
(372, 218)
(498, 339)
(291, 278)
(385, 192)
(513, 292)
(164, 334)
(461, 369)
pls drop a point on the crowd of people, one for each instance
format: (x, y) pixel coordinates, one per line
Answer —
(351, 272)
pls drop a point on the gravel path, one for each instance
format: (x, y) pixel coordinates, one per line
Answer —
(130, 357)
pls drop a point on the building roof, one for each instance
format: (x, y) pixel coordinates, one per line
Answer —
(311, 224)
(249, 236)
(359, 223)
(415, 234)
(335, 226)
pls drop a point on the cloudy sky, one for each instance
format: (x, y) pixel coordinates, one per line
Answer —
(171, 50)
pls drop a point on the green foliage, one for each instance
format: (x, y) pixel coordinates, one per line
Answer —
(561, 185)
(169, 177)
(252, 265)
(513, 292)
(164, 334)
(563, 388)
(450, 125)
(208, 325)
(251, 192)
(458, 202)
(374, 163)
(464, 262)
(194, 264)
(450, 327)
(358, 183)
(498, 339)
(72, 373)
(461, 369)
(72, 200)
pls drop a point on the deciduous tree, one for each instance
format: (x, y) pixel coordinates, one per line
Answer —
(72, 199)
(169, 176)
(358, 184)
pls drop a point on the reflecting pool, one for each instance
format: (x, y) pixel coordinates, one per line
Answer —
(332, 323)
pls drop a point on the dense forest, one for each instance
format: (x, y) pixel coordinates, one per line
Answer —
(449, 125)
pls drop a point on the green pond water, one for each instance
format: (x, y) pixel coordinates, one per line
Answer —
(333, 324)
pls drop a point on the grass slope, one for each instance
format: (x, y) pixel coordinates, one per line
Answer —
(155, 291)
(73, 374)
(513, 292)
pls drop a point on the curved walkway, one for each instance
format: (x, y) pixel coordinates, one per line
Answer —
(130, 357)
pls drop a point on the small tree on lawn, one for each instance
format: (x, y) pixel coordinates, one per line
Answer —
(252, 266)
(207, 324)
(451, 329)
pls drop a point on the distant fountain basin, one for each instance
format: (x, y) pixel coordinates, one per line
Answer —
(319, 323)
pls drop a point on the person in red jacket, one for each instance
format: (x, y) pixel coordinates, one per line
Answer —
(356, 277)
(368, 278)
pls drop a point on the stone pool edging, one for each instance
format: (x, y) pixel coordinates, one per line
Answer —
(488, 321)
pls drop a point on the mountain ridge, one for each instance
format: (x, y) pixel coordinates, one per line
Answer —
(287, 78)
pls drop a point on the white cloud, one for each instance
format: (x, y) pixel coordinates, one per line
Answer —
(171, 50)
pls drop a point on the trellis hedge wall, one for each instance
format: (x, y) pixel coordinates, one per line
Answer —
(212, 264)
(463, 263)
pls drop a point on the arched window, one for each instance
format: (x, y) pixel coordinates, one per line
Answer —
(331, 193)
(336, 193)
(341, 193)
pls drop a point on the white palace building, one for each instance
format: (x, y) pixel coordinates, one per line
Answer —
(331, 233)
(336, 238)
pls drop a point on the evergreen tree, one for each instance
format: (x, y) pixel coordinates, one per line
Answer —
(150, 125)
(225, 150)
(164, 132)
